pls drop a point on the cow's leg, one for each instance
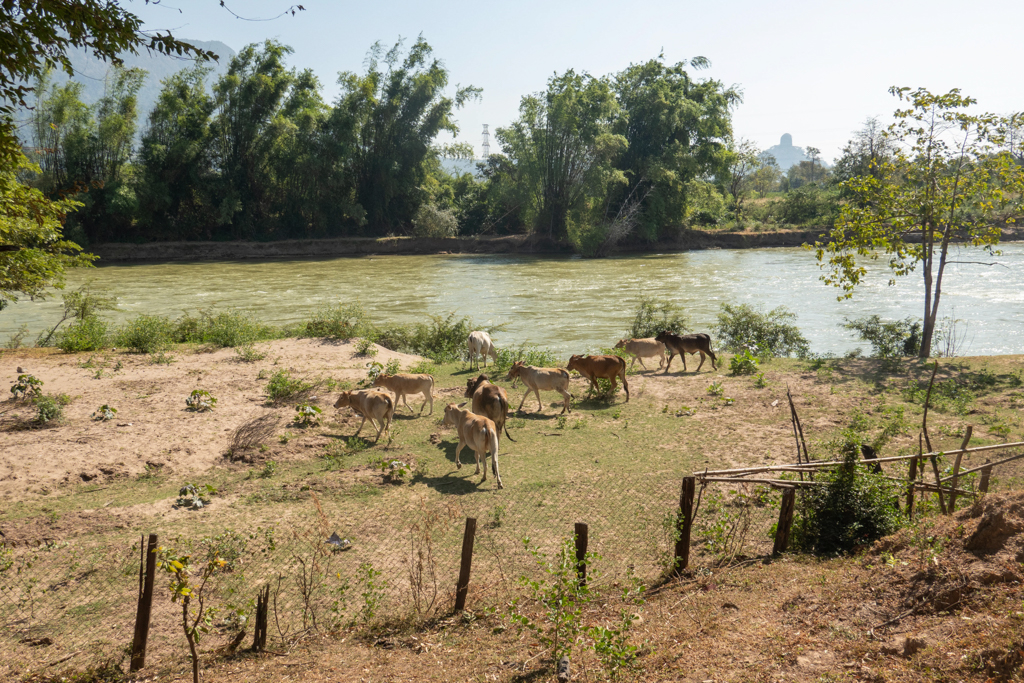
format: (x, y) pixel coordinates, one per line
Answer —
(428, 397)
(701, 361)
(682, 354)
(458, 449)
(540, 404)
(481, 456)
(360, 426)
(519, 409)
(642, 364)
(625, 384)
(661, 360)
(671, 355)
(565, 403)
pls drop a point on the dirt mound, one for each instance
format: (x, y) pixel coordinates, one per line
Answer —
(940, 564)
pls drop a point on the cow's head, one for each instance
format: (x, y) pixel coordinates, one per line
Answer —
(622, 343)
(515, 371)
(344, 400)
(574, 362)
(663, 336)
(473, 384)
(451, 414)
(379, 380)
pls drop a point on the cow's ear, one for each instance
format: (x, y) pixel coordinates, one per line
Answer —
(463, 403)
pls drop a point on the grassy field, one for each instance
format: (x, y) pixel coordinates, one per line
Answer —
(614, 465)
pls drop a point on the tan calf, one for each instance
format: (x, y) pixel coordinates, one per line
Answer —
(541, 379)
(372, 404)
(403, 384)
(643, 348)
(477, 432)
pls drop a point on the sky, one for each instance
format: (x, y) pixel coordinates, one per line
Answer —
(813, 69)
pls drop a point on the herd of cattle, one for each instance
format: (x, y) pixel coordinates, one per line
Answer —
(481, 426)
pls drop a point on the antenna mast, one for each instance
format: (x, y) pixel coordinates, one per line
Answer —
(486, 147)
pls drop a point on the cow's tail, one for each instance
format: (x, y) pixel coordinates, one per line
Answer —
(391, 410)
(622, 374)
(504, 418)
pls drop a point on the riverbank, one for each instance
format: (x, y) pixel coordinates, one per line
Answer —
(506, 244)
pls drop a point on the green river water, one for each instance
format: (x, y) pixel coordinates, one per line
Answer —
(568, 304)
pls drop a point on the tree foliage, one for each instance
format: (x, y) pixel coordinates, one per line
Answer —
(950, 179)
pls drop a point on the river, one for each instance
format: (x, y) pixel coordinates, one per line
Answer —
(568, 304)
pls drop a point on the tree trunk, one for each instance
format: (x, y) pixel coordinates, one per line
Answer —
(929, 321)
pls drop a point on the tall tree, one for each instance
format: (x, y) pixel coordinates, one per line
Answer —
(950, 179)
(676, 129)
(813, 156)
(563, 144)
(744, 158)
(864, 152)
(392, 115)
(766, 175)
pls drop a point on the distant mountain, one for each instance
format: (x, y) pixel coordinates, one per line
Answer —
(90, 72)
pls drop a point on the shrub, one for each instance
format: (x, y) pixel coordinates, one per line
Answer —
(744, 364)
(247, 353)
(852, 509)
(25, 385)
(282, 386)
(224, 329)
(365, 347)
(339, 321)
(200, 401)
(809, 204)
(433, 221)
(653, 316)
(105, 413)
(528, 355)
(888, 339)
(50, 407)
(443, 340)
(307, 415)
(145, 334)
(85, 334)
(740, 325)
(705, 204)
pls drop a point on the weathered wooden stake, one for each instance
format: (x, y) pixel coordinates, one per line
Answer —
(956, 469)
(145, 608)
(785, 521)
(911, 495)
(467, 564)
(684, 523)
(986, 474)
(259, 640)
(911, 478)
(582, 540)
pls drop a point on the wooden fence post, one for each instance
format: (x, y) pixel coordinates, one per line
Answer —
(684, 524)
(956, 469)
(145, 608)
(986, 474)
(911, 495)
(259, 640)
(582, 539)
(467, 563)
(911, 478)
(785, 521)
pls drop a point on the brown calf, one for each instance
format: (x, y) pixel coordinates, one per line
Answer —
(601, 367)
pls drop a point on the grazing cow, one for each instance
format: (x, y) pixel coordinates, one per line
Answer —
(601, 367)
(403, 384)
(480, 343)
(477, 432)
(489, 400)
(687, 343)
(537, 379)
(643, 348)
(372, 404)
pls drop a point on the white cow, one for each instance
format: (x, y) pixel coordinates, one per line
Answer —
(537, 379)
(372, 404)
(643, 348)
(480, 343)
(403, 384)
(477, 432)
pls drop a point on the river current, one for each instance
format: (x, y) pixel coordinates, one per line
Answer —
(568, 304)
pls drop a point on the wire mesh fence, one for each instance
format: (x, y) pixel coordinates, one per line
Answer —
(333, 561)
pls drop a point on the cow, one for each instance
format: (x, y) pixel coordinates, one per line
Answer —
(489, 400)
(643, 348)
(403, 384)
(480, 343)
(372, 404)
(687, 343)
(537, 379)
(601, 367)
(477, 432)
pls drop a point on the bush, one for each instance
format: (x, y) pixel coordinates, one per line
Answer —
(888, 339)
(145, 334)
(282, 386)
(339, 321)
(443, 340)
(85, 334)
(809, 204)
(225, 329)
(743, 363)
(432, 221)
(705, 204)
(741, 325)
(50, 407)
(528, 355)
(653, 316)
(852, 509)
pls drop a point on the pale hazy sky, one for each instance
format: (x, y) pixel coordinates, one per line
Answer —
(815, 69)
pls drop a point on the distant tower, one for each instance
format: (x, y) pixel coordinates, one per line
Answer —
(486, 147)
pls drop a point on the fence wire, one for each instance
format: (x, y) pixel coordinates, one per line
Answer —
(349, 560)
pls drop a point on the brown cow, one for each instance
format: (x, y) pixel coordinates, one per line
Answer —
(601, 367)
(687, 343)
(477, 432)
(489, 400)
(372, 404)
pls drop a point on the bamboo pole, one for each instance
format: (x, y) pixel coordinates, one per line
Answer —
(956, 469)
(989, 464)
